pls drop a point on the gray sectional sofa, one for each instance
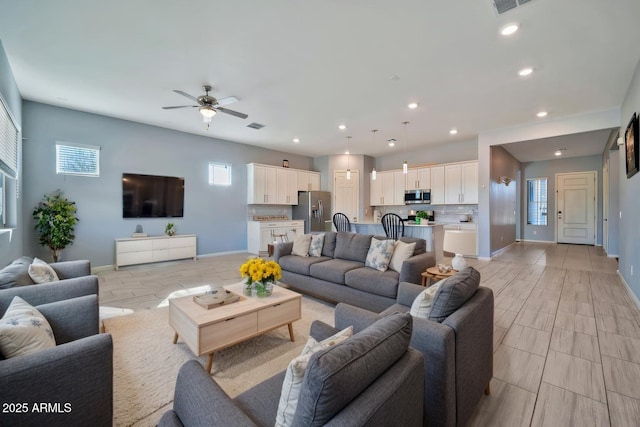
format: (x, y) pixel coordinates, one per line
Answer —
(339, 275)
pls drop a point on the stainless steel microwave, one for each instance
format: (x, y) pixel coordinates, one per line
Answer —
(414, 197)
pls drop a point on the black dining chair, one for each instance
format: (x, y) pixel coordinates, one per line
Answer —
(393, 225)
(341, 222)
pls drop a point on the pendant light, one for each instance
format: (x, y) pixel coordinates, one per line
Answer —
(373, 172)
(347, 153)
(405, 165)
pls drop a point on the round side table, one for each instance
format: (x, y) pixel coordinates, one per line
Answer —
(434, 273)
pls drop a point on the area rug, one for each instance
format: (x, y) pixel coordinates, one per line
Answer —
(146, 362)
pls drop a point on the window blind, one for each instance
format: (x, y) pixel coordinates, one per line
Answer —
(219, 174)
(77, 159)
(8, 144)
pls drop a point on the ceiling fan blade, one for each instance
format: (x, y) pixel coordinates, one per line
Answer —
(231, 112)
(179, 92)
(179, 106)
(228, 100)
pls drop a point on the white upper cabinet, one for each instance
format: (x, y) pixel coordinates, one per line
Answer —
(418, 179)
(399, 179)
(461, 183)
(387, 189)
(437, 185)
(261, 185)
(375, 193)
(287, 185)
(273, 185)
(308, 181)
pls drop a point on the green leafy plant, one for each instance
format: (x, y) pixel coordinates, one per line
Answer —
(55, 218)
(169, 230)
(422, 215)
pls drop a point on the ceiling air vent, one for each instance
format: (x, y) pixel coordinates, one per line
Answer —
(255, 125)
(504, 5)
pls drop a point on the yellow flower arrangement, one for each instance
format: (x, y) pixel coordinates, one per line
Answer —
(261, 272)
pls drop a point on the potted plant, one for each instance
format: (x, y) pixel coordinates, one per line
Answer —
(55, 218)
(421, 215)
(170, 230)
(260, 276)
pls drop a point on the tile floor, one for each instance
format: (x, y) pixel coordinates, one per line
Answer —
(566, 332)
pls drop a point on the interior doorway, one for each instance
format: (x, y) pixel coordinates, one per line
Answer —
(576, 201)
(346, 194)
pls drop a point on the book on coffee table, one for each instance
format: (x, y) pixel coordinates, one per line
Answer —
(218, 298)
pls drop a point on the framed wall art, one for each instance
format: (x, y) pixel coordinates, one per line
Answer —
(631, 148)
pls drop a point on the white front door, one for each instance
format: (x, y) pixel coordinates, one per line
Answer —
(346, 194)
(576, 207)
(605, 207)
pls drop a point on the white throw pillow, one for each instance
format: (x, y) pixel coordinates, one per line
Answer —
(402, 252)
(317, 241)
(24, 330)
(301, 245)
(295, 374)
(421, 306)
(379, 254)
(41, 272)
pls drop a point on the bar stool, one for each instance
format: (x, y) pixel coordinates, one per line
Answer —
(282, 235)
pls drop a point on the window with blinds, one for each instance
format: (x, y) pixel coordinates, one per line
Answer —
(77, 159)
(8, 144)
(537, 201)
(219, 174)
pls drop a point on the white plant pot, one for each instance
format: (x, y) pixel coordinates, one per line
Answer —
(458, 262)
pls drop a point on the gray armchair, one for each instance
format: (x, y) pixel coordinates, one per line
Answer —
(371, 379)
(75, 378)
(458, 353)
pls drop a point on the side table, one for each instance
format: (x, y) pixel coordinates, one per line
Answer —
(434, 273)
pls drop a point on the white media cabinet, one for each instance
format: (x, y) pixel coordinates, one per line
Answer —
(140, 250)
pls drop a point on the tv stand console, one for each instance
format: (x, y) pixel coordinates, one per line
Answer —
(141, 250)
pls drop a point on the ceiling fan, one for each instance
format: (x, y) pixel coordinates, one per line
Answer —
(208, 105)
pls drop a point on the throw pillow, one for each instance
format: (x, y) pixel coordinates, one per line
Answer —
(41, 272)
(454, 292)
(422, 304)
(402, 252)
(379, 254)
(24, 330)
(295, 374)
(301, 245)
(317, 241)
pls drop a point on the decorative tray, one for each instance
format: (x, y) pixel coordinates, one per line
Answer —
(216, 298)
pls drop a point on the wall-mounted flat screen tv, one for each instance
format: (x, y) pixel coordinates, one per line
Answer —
(151, 196)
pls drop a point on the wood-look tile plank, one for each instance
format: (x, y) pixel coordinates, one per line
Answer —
(507, 406)
(498, 335)
(620, 347)
(577, 375)
(558, 407)
(504, 318)
(621, 376)
(575, 322)
(613, 309)
(548, 294)
(518, 367)
(624, 411)
(528, 339)
(576, 307)
(576, 344)
(508, 303)
(618, 325)
(535, 319)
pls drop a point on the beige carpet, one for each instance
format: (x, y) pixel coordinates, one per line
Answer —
(146, 361)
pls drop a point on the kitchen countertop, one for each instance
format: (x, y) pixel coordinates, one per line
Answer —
(406, 223)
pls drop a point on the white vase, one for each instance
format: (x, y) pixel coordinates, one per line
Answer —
(458, 262)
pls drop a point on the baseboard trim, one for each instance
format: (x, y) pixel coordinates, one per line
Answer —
(484, 258)
(221, 254)
(499, 251)
(537, 241)
(100, 268)
(613, 256)
(631, 294)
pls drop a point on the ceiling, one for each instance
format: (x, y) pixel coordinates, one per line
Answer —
(301, 68)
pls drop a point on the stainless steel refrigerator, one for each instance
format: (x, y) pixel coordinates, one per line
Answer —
(315, 208)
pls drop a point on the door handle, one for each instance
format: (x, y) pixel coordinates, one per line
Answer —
(559, 214)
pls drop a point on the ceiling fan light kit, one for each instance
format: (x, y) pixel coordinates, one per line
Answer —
(208, 105)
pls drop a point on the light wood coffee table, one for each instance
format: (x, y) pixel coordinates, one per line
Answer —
(434, 273)
(207, 331)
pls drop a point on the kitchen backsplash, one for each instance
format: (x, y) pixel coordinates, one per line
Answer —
(267, 210)
(442, 213)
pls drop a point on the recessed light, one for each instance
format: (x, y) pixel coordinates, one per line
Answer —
(296, 140)
(392, 142)
(346, 152)
(453, 131)
(342, 127)
(413, 105)
(509, 29)
(560, 151)
(542, 114)
(525, 72)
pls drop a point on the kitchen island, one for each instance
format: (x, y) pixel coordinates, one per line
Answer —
(431, 232)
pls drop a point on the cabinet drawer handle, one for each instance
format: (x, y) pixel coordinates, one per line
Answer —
(276, 305)
(229, 319)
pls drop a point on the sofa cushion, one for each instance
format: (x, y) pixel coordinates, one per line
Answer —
(352, 246)
(402, 252)
(454, 292)
(315, 248)
(41, 272)
(421, 306)
(295, 373)
(333, 270)
(301, 245)
(16, 273)
(299, 264)
(329, 246)
(379, 254)
(339, 374)
(384, 283)
(24, 330)
(421, 244)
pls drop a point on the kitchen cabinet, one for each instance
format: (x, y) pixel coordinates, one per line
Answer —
(308, 181)
(375, 190)
(287, 186)
(387, 189)
(399, 180)
(461, 183)
(261, 233)
(418, 179)
(262, 185)
(437, 185)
